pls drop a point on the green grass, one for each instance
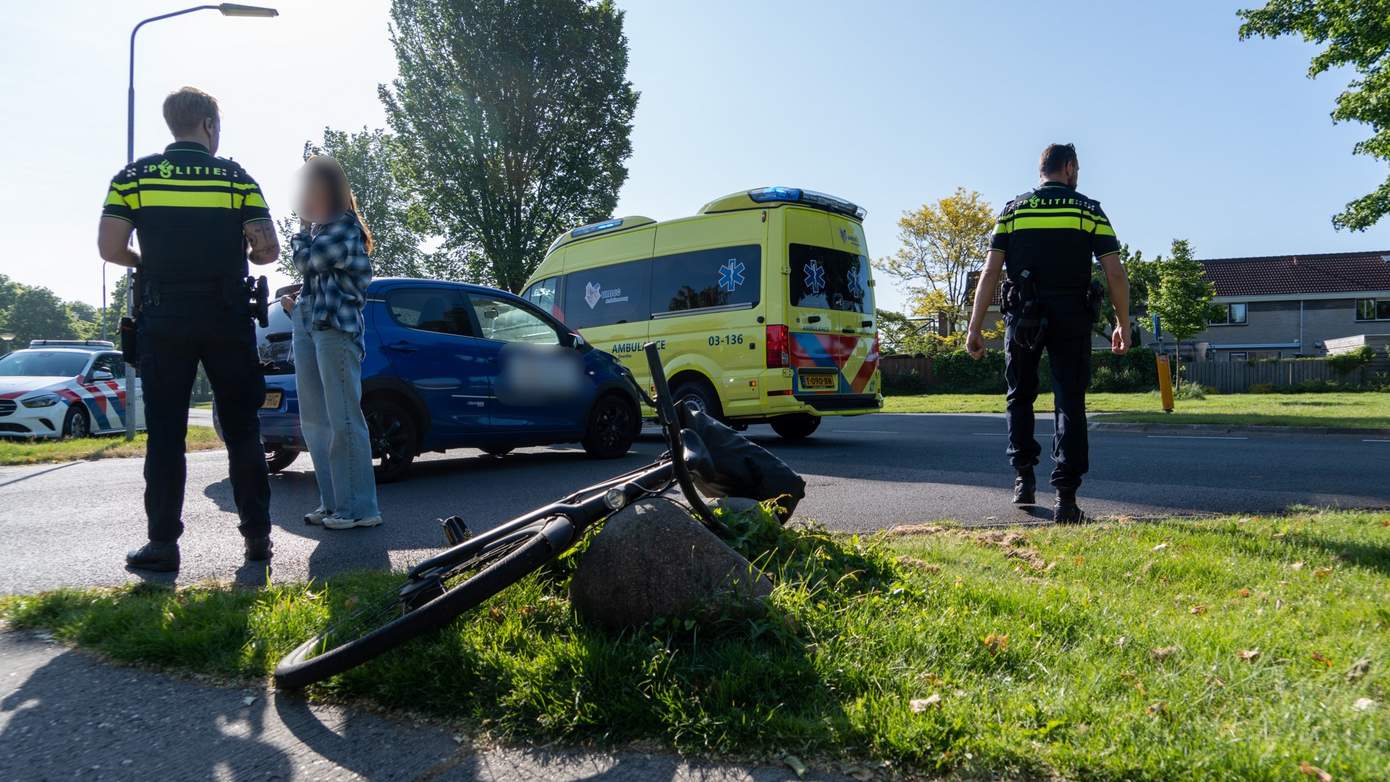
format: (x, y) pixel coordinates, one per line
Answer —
(1234, 648)
(1341, 410)
(12, 452)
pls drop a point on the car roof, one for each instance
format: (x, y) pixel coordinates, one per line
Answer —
(383, 284)
(63, 349)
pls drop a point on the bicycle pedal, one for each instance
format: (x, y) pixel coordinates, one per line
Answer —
(455, 531)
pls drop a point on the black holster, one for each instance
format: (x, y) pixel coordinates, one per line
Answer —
(1024, 306)
(1094, 296)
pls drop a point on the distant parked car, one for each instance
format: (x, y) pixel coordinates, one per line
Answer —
(65, 388)
(434, 379)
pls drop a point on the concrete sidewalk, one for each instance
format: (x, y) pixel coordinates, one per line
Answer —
(65, 714)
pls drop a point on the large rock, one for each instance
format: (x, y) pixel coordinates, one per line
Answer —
(653, 559)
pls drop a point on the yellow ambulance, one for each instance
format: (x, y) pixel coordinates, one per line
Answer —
(762, 304)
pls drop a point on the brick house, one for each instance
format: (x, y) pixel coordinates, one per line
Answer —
(1290, 305)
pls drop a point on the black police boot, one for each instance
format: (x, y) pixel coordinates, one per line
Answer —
(1066, 510)
(258, 549)
(156, 557)
(1025, 487)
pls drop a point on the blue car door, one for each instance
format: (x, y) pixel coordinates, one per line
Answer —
(554, 392)
(430, 338)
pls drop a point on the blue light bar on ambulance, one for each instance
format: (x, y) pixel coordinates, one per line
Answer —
(593, 228)
(808, 197)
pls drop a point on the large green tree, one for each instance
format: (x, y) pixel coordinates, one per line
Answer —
(1355, 34)
(37, 313)
(398, 220)
(516, 117)
(1143, 277)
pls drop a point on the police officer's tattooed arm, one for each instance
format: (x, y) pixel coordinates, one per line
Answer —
(985, 291)
(113, 242)
(265, 246)
(1117, 283)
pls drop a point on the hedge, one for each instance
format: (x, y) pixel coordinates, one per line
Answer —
(957, 373)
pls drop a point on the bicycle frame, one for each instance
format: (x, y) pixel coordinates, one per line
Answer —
(594, 503)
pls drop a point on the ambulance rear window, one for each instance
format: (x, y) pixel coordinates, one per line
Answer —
(823, 278)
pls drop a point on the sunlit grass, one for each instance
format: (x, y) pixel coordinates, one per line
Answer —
(200, 438)
(1233, 648)
(1368, 410)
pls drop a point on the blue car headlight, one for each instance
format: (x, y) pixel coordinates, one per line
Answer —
(42, 400)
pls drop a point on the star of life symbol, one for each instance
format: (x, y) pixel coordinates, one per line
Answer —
(731, 275)
(592, 293)
(815, 277)
(855, 288)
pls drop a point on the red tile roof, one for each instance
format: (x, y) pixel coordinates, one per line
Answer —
(1294, 274)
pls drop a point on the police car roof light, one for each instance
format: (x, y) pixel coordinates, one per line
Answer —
(95, 344)
(592, 228)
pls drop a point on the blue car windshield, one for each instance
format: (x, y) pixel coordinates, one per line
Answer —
(42, 363)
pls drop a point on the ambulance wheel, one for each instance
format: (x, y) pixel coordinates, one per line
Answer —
(696, 391)
(797, 426)
(277, 459)
(76, 423)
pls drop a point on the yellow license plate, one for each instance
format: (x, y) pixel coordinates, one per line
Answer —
(272, 400)
(818, 381)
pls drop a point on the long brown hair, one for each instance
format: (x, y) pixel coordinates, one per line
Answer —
(330, 172)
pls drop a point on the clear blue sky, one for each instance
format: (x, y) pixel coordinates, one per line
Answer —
(1183, 130)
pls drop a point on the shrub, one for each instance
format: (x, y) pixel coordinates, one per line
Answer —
(1262, 388)
(1348, 362)
(958, 373)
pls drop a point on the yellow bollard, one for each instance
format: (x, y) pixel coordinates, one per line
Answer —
(1165, 383)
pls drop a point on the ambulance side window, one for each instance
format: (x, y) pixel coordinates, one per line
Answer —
(723, 277)
(608, 294)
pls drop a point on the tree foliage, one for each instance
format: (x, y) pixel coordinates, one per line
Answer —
(942, 244)
(1143, 277)
(1182, 295)
(515, 116)
(1355, 34)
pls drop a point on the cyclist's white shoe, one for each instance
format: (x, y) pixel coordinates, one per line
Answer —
(316, 517)
(338, 522)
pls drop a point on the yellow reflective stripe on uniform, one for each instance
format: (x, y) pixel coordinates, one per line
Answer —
(120, 186)
(185, 182)
(196, 199)
(246, 186)
(255, 199)
(116, 199)
(1001, 227)
(1104, 230)
(1026, 223)
(1050, 211)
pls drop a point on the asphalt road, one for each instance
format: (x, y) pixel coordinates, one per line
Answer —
(70, 524)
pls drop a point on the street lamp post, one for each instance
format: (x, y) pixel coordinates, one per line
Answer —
(226, 9)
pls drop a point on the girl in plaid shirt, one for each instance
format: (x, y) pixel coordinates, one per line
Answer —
(331, 255)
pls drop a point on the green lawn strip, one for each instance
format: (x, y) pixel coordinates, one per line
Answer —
(12, 452)
(1341, 410)
(1234, 648)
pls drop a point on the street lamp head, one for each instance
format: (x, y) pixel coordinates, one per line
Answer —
(236, 9)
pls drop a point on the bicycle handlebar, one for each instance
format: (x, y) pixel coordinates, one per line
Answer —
(676, 438)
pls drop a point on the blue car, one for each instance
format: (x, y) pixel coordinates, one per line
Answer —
(452, 365)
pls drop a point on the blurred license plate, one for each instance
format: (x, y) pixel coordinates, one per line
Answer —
(818, 381)
(272, 400)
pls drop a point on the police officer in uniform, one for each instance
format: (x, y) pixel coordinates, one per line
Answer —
(195, 215)
(1044, 241)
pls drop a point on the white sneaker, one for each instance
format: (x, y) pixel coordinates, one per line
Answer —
(316, 517)
(338, 522)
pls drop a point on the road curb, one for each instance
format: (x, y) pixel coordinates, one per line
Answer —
(1116, 426)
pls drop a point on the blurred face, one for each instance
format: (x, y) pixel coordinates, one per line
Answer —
(315, 202)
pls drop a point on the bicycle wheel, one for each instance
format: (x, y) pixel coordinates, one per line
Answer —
(422, 605)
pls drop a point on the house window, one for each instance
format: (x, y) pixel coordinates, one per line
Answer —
(1373, 309)
(1230, 315)
(1238, 356)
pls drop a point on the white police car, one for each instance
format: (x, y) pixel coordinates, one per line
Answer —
(65, 388)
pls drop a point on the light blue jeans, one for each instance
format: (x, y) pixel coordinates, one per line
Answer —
(328, 375)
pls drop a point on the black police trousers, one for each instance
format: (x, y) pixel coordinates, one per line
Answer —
(1067, 341)
(175, 334)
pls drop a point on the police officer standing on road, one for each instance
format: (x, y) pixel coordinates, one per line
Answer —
(1044, 240)
(195, 215)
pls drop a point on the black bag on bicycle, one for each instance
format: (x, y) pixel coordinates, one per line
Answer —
(744, 468)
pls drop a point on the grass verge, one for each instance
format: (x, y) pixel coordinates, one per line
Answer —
(1235, 648)
(1340, 410)
(12, 452)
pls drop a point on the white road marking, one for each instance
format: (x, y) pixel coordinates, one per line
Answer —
(1193, 437)
(1375, 441)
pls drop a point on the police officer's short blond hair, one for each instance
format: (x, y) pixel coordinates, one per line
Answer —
(186, 108)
